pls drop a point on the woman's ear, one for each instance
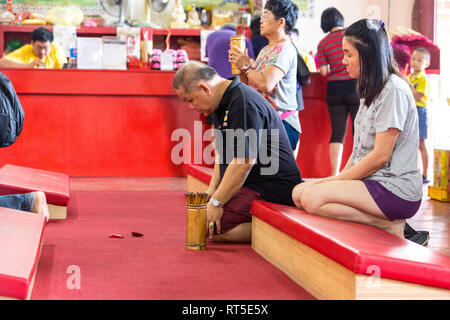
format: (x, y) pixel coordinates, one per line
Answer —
(282, 22)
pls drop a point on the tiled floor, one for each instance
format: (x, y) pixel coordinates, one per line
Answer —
(433, 216)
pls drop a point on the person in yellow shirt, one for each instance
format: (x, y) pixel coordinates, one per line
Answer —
(42, 52)
(420, 87)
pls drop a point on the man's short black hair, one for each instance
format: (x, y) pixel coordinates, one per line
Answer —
(331, 18)
(42, 34)
(284, 9)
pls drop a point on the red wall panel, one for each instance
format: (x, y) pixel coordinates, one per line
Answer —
(120, 123)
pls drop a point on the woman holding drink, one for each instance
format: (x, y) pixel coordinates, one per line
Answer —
(274, 72)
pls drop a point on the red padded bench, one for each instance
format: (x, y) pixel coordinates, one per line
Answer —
(198, 178)
(335, 259)
(20, 248)
(17, 179)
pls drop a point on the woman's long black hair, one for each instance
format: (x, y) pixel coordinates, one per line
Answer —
(376, 59)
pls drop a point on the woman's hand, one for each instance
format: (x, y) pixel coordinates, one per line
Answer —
(213, 216)
(238, 58)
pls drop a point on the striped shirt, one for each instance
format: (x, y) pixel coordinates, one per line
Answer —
(329, 51)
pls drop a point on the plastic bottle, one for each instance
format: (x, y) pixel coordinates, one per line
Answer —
(73, 55)
(204, 18)
(243, 25)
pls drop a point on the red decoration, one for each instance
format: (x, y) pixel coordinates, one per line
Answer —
(9, 5)
(414, 41)
(116, 236)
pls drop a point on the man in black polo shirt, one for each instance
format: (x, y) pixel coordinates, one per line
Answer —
(254, 159)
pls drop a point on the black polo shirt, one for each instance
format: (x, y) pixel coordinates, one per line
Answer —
(247, 126)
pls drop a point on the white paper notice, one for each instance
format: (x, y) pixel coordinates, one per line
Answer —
(114, 54)
(90, 51)
(166, 61)
(203, 36)
(65, 36)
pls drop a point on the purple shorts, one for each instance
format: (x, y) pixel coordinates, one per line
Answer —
(393, 207)
(237, 209)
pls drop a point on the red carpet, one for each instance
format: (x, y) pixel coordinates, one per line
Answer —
(154, 267)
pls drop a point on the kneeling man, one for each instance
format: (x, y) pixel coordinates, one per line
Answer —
(254, 160)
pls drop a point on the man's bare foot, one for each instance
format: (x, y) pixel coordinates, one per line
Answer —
(40, 204)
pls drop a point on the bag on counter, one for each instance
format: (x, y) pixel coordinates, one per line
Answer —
(11, 113)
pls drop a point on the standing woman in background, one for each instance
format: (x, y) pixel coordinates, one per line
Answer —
(342, 98)
(274, 73)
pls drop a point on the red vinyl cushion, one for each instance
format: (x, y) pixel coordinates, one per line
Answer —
(203, 174)
(357, 246)
(20, 242)
(17, 179)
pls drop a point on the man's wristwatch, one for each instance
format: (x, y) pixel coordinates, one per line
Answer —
(215, 203)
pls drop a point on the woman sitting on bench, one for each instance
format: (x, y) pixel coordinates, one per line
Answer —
(380, 184)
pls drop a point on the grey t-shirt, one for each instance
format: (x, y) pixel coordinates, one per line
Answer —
(393, 108)
(283, 56)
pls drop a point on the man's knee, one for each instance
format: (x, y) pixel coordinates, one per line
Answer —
(240, 233)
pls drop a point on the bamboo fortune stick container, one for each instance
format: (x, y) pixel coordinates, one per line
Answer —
(196, 221)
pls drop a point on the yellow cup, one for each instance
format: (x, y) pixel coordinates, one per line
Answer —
(237, 41)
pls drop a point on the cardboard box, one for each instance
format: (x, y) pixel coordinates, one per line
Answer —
(441, 169)
(441, 186)
(438, 194)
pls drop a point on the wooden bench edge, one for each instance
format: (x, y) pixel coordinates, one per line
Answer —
(325, 278)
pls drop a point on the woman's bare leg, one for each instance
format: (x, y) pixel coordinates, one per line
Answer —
(346, 200)
(298, 190)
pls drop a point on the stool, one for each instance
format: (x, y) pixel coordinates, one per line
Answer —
(16, 179)
(20, 248)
